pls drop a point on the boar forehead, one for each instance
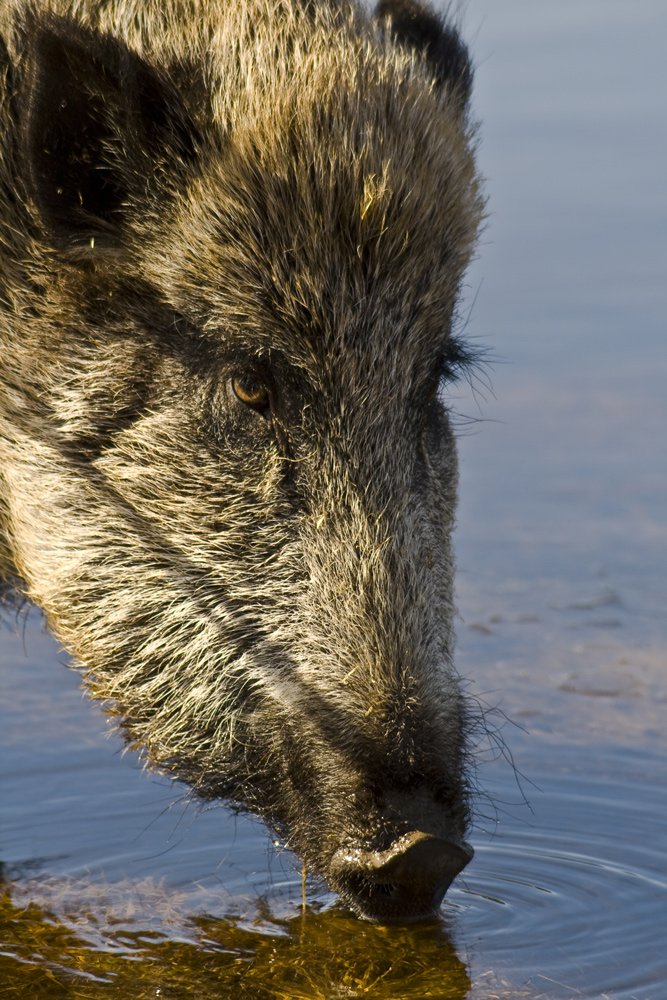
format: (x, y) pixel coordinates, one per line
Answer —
(328, 220)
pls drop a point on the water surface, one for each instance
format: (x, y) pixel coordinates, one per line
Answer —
(116, 885)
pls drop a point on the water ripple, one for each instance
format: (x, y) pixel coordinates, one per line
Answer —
(577, 901)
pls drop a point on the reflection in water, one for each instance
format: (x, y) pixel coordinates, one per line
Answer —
(311, 956)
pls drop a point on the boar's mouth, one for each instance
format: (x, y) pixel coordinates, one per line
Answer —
(402, 884)
(381, 819)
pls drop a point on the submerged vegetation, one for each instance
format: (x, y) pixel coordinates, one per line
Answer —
(311, 956)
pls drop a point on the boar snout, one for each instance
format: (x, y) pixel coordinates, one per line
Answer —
(404, 883)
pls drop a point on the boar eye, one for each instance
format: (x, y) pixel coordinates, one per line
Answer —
(251, 390)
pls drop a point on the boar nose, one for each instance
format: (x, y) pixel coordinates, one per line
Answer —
(404, 883)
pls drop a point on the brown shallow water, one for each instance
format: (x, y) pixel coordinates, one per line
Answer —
(113, 884)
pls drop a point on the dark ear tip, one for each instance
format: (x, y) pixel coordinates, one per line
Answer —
(86, 99)
(418, 26)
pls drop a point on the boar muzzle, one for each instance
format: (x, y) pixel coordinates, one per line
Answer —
(404, 883)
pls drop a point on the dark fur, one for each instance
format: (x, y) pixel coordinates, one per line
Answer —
(193, 193)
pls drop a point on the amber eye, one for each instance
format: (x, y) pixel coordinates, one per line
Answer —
(251, 391)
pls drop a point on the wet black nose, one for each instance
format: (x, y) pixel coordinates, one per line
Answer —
(404, 883)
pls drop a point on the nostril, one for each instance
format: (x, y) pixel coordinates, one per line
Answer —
(405, 882)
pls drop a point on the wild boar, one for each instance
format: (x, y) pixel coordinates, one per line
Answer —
(232, 237)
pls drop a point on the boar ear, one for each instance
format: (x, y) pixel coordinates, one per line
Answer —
(96, 121)
(419, 27)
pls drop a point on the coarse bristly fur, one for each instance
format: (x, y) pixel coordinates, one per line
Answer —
(232, 235)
